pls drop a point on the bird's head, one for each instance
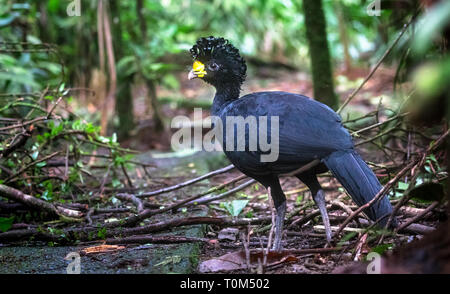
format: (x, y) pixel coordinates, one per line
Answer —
(217, 62)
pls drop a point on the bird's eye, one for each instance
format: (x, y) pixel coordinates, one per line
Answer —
(213, 66)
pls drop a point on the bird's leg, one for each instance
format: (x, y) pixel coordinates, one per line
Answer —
(319, 199)
(279, 201)
(279, 222)
(310, 180)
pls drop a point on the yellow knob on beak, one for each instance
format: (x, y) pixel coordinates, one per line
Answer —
(198, 70)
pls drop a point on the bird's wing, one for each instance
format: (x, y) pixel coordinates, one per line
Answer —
(307, 129)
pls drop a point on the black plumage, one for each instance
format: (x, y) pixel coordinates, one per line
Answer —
(308, 130)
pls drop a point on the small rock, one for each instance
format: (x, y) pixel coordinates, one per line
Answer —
(229, 234)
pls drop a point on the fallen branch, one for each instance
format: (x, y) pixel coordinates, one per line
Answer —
(85, 233)
(18, 196)
(417, 217)
(418, 229)
(411, 211)
(150, 212)
(133, 199)
(165, 225)
(223, 195)
(155, 240)
(302, 251)
(191, 199)
(187, 183)
(411, 228)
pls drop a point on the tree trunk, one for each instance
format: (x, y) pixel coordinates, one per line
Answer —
(124, 108)
(343, 35)
(154, 105)
(157, 119)
(319, 53)
(141, 18)
(124, 99)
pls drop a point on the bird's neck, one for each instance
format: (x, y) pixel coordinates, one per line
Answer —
(224, 95)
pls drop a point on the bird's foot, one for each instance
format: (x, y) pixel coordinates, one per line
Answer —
(277, 242)
(277, 247)
(330, 242)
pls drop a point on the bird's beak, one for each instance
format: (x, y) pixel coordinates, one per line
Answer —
(198, 70)
(192, 75)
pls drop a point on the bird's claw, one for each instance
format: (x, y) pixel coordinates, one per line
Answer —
(277, 246)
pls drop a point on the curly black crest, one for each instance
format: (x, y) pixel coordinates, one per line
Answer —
(222, 50)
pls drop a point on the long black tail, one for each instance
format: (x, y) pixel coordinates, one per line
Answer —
(360, 182)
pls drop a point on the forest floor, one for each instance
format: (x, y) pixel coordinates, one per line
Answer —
(24, 255)
(303, 233)
(222, 243)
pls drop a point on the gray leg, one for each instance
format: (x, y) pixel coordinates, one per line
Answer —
(279, 201)
(279, 222)
(310, 180)
(319, 198)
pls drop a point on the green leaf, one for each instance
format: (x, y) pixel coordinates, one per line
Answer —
(41, 164)
(102, 233)
(61, 87)
(115, 183)
(6, 223)
(235, 207)
(380, 249)
(402, 186)
(113, 138)
(56, 130)
(47, 195)
(433, 158)
(347, 237)
(35, 154)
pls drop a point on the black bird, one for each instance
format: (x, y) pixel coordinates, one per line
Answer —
(307, 130)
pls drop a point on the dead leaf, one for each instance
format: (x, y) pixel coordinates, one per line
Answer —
(236, 261)
(361, 247)
(214, 242)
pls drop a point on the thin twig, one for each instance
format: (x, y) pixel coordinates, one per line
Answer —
(412, 165)
(191, 199)
(225, 194)
(417, 217)
(187, 183)
(31, 165)
(386, 53)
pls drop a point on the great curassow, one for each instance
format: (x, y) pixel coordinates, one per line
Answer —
(307, 130)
